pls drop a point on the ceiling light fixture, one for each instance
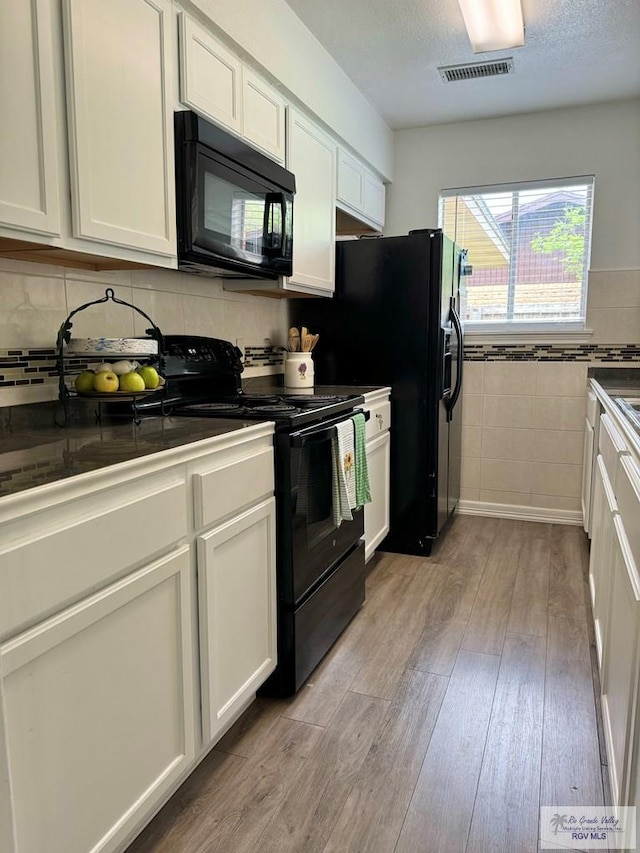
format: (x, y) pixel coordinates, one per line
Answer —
(493, 24)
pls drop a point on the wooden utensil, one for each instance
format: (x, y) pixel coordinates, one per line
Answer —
(294, 339)
(314, 341)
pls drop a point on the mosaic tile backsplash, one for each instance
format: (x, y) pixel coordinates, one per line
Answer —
(552, 352)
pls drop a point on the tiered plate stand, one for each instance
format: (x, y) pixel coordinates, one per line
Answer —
(65, 361)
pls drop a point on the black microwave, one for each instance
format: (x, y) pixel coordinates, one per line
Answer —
(234, 205)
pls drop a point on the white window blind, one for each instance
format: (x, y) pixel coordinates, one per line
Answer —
(528, 248)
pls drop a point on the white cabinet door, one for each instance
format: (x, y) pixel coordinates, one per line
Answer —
(601, 557)
(28, 149)
(620, 671)
(237, 603)
(263, 115)
(587, 469)
(376, 513)
(120, 122)
(98, 711)
(210, 76)
(374, 199)
(350, 181)
(312, 159)
(359, 191)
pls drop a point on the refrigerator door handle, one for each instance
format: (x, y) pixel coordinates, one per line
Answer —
(455, 319)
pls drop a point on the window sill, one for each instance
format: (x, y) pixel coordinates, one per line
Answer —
(538, 333)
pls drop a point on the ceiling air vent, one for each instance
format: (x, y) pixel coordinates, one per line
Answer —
(476, 70)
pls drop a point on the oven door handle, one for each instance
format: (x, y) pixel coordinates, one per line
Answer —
(322, 431)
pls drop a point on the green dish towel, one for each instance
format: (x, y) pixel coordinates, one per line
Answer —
(363, 491)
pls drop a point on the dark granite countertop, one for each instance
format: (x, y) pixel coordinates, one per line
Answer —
(617, 381)
(40, 453)
(621, 384)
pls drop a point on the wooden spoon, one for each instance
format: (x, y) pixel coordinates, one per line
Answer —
(294, 339)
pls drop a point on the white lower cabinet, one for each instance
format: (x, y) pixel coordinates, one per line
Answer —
(604, 509)
(587, 477)
(376, 513)
(237, 595)
(98, 710)
(614, 581)
(620, 664)
(100, 699)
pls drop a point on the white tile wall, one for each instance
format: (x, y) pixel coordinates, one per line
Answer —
(523, 433)
(36, 298)
(613, 306)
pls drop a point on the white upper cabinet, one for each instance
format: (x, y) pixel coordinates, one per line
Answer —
(263, 115)
(312, 159)
(374, 199)
(210, 76)
(120, 122)
(216, 85)
(359, 192)
(28, 150)
(350, 181)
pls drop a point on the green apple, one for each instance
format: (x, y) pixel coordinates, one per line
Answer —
(84, 381)
(150, 376)
(106, 382)
(131, 382)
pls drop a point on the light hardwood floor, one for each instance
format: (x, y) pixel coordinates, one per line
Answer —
(459, 700)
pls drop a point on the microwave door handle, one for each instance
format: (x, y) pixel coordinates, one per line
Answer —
(283, 221)
(271, 200)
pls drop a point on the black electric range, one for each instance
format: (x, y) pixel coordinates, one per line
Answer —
(288, 412)
(203, 378)
(320, 561)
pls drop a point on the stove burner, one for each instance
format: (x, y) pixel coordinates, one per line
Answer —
(258, 399)
(215, 407)
(307, 400)
(280, 409)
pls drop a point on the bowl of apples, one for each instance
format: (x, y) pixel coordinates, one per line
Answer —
(123, 378)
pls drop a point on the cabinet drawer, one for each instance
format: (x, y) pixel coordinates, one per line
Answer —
(628, 497)
(84, 545)
(229, 488)
(380, 419)
(611, 445)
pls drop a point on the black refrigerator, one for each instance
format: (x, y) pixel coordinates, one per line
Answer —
(394, 320)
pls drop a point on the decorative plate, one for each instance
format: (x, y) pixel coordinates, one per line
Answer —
(112, 346)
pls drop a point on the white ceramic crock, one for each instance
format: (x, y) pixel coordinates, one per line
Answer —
(298, 370)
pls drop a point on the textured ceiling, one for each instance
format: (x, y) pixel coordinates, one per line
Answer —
(576, 52)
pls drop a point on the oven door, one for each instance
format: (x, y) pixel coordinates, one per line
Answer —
(317, 543)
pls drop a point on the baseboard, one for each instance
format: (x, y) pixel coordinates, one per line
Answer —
(522, 513)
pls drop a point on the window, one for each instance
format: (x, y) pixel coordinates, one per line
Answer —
(528, 252)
